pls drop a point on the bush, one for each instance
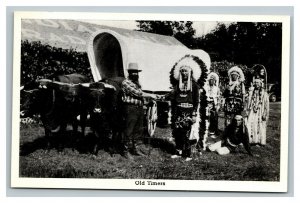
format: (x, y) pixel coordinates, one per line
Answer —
(44, 61)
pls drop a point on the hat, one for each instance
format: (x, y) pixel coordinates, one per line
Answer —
(133, 67)
(238, 117)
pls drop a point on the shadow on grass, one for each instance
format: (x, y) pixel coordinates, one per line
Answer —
(86, 144)
(161, 143)
(70, 139)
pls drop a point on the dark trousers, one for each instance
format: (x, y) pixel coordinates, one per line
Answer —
(133, 130)
(182, 141)
(213, 121)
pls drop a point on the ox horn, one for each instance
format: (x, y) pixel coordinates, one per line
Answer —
(85, 84)
(30, 91)
(22, 113)
(44, 80)
(56, 129)
(108, 86)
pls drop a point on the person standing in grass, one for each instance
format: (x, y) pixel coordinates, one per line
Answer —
(213, 99)
(133, 100)
(186, 100)
(185, 103)
(261, 73)
(234, 94)
(258, 113)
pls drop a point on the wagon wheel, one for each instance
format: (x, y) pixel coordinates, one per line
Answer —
(151, 119)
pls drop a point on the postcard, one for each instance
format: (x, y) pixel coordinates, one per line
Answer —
(136, 101)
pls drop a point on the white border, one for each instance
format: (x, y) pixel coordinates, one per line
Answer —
(185, 185)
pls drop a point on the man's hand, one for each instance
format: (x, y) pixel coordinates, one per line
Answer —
(149, 95)
(153, 96)
(160, 97)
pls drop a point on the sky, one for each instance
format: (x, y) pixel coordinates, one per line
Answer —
(201, 28)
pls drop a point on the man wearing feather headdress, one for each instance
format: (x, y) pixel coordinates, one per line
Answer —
(260, 73)
(213, 99)
(258, 109)
(186, 77)
(234, 94)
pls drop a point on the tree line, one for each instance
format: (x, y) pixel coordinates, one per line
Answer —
(239, 43)
(44, 61)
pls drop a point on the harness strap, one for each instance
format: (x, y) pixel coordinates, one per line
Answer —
(53, 103)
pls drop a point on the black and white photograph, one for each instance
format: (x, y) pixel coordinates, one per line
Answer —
(150, 101)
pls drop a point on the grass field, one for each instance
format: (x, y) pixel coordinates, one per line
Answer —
(76, 161)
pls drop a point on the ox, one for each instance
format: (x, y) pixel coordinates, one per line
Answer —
(104, 101)
(57, 101)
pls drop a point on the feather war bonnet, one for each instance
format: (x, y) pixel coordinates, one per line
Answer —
(237, 70)
(213, 75)
(197, 66)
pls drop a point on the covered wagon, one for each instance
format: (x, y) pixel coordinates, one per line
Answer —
(111, 50)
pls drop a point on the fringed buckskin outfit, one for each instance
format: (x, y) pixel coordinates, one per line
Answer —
(213, 99)
(258, 108)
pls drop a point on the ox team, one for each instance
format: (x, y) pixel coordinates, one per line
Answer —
(115, 107)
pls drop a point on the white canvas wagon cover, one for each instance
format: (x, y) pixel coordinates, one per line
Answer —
(111, 50)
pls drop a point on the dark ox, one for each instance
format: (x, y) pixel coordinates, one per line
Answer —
(104, 100)
(57, 101)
